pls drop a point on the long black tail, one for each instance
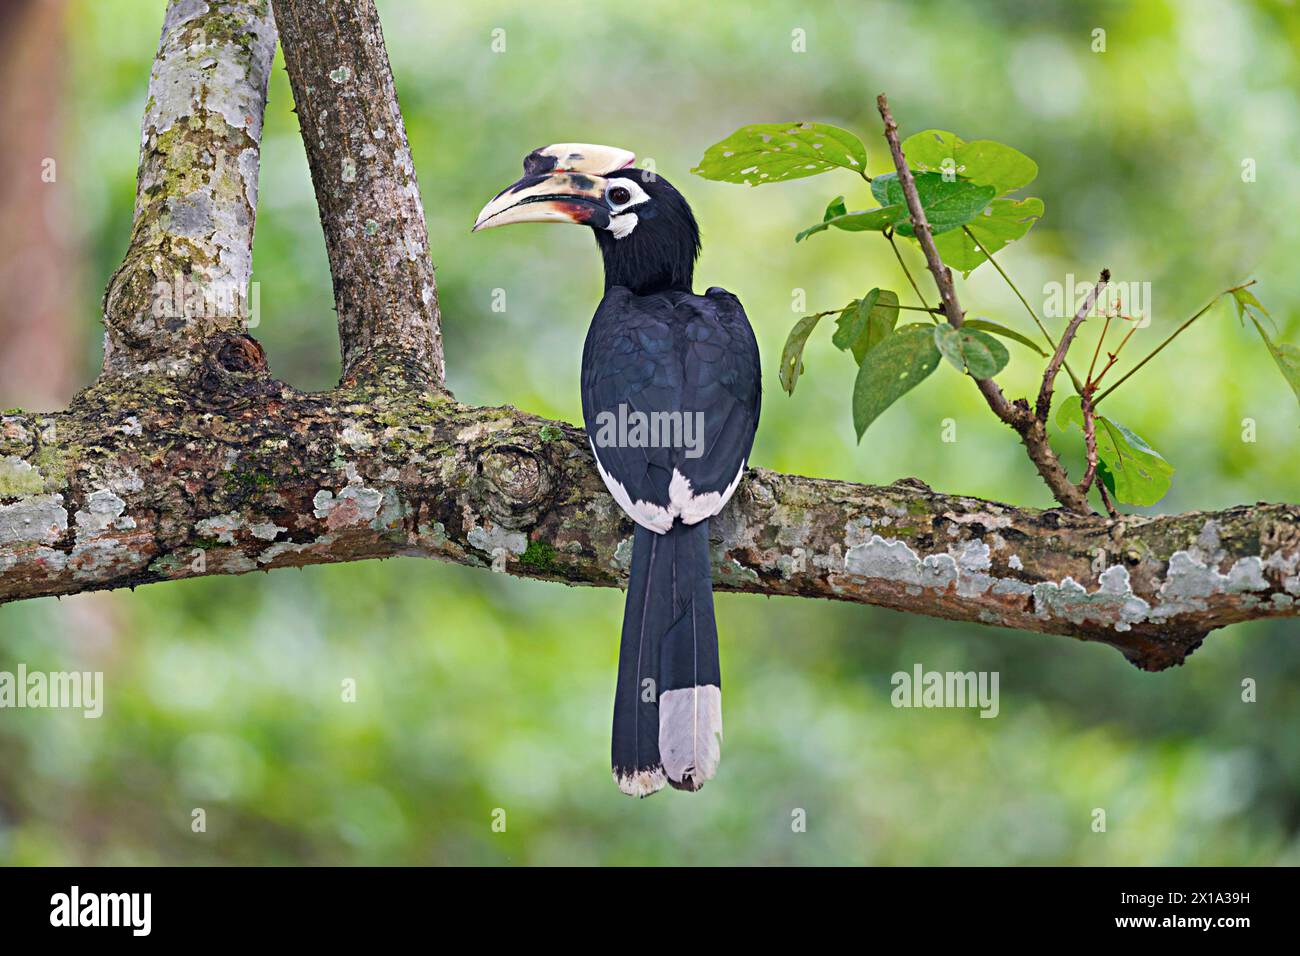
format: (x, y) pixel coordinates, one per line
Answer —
(668, 705)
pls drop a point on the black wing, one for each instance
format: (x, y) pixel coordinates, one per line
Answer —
(693, 357)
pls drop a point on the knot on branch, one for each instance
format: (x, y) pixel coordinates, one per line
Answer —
(239, 353)
(517, 483)
(235, 364)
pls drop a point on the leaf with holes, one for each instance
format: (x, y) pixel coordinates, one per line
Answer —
(792, 354)
(982, 161)
(890, 370)
(778, 152)
(970, 350)
(1138, 474)
(948, 204)
(984, 325)
(866, 322)
(1001, 222)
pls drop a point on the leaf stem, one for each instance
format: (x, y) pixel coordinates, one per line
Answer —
(1097, 351)
(889, 234)
(1160, 348)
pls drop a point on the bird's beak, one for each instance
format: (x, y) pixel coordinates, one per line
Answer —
(561, 183)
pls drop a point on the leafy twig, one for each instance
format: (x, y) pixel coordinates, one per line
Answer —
(1032, 431)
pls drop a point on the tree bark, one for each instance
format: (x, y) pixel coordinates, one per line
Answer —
(185, 275)
(378, 245)
(149, 479)
(190, 461)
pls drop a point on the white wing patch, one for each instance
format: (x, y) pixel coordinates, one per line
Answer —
(693, 508)
(682, 501)
(645, 513)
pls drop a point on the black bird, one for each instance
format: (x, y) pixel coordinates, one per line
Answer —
(670, 395)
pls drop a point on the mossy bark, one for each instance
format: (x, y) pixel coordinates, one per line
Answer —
(227, 470)
(186, 271)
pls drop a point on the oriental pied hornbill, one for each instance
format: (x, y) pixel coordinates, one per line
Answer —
(670, 395)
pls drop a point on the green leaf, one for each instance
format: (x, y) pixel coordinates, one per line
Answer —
(835, 208)
(984, 325)
(970, 350)
(777, 152)
(1245, 300)
(866, 322)
(792, 353)
(872, 220)
(1286, 355)
(898, 364)
(982, 161)
(1001, 222)
(948, 204)
(1138, 475)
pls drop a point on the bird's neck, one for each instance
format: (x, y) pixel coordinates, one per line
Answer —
(647, 263)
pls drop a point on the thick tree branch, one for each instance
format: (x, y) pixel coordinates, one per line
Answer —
(384, 288)
(151, 480)
(185, 274)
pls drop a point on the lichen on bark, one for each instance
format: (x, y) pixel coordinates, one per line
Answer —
(227, 470)
(186, 271)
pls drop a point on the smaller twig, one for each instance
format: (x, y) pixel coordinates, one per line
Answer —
(1089, 442)
(920, 225)
(1112, 358)
(1105, 500)
(1097, 351)
(1044, 405)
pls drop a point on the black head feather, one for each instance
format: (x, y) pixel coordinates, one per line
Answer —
(660, 252)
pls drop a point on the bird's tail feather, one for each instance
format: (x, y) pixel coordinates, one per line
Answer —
(668, 707)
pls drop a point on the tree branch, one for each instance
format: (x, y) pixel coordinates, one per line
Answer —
(185, 275)
(370, 210)
(140, 481)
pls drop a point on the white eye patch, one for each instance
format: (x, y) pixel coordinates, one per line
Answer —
(622, 196)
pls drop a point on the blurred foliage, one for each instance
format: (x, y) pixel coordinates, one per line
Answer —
(478, 692)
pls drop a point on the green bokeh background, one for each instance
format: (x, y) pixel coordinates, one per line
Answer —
(478, 692)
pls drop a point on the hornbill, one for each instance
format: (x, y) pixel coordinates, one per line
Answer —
(670, 397)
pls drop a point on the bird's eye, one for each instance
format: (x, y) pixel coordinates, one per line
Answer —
(619, 195)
